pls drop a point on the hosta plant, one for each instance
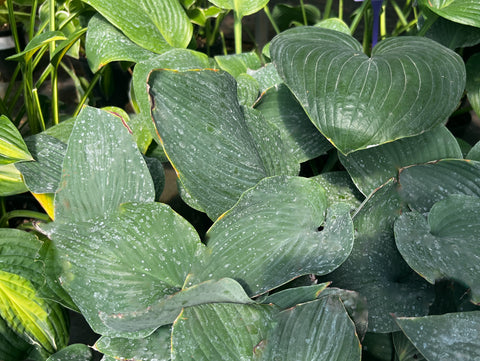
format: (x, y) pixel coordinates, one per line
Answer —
(342, 213)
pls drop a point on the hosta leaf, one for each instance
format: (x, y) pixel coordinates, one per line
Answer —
(453, 35)
(241, 7)
(12, 146)
(474, 153)
(461, 11)
(318, 330)
(102, 169)
(290, 297)
(211, 147)
(473, 82)
(266, 76)
(105, 43)
(237, 64)
(247, 90)
(40, 41)
(278, 230)
(334, 24)
(304, 141)
(167, 309)
(232, 332)
(452, 336)
(358, 102)
(11, 181)
(378, 346)
(126, 262)
(376, 269)
(404, 349)
(75, 352)
(286, 15)
(370, 168)
(153, 347)
(425, 184)
(447, 245)
(154, 25)
(339, 188)
(39, 321)
(43, 174)
(12, 346)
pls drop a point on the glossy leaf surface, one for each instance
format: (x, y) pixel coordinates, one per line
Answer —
(376, 269)
(241, 7)
(211, 147)
(317, 330)
(453, 336)
(358, 102)
(75, 352)
(154, 25)
(279, 230)
(461, 11)
(370, 168)
(424, 185)
(445, 246)
(12, 146)
(102, 169)
(11, 181)
(106, 43)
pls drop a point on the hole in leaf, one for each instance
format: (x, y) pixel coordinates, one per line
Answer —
(319, 229)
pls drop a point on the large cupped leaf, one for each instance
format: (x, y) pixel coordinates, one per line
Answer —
(317, 330)
(445, 246)
(102, 169)
(124, 263)
(279, 230)
(241, 7)
(461, 11)
(38, 321)
(154, 25)
(370, 168)
(376, 269)
(425, 184)
(453, 336)
(358, 101)
(208, 138)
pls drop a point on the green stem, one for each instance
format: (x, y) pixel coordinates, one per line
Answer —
(13, 25)
(383, 23)
(22, 214)
(237, 30)
(92, 84)
(427, 24)
(304, 13)
(270, 18)
(54, 73)
(340, 9)
(399, 12)
(39, 109)
(31, 30)
(327, 9)
(358, 17)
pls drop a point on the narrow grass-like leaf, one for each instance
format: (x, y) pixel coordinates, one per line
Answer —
(38, 42)
(358, 101)
(453, 336)
(445, 246)
(12, 146)
(278, 230)
(154, 25)
(370, 168)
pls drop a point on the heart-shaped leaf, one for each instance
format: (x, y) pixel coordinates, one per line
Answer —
(277, 231)
(447, 246)
(340, 188)
(154, 25)
(453, 336)
(370, 168)
(358, 101)
(461, 11)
